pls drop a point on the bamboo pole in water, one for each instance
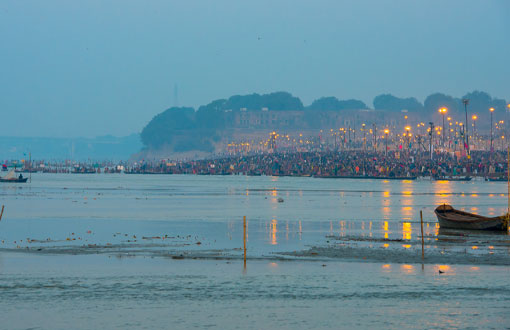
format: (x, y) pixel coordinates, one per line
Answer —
(244, 239)
(2, 212)
(422, 239)
(508, 187)
(508, 177)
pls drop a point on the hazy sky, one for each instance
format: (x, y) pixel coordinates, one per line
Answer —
(87, 68)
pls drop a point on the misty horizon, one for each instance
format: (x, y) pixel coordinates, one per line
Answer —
(195, 108)
(93, 69)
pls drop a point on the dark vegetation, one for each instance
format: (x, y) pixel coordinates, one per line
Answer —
(393, 103)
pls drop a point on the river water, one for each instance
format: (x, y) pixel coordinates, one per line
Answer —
(164, 251)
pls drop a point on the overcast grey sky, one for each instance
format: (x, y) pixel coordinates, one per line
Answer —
(87, 68)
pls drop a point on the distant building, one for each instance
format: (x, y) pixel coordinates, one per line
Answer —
(299, 119)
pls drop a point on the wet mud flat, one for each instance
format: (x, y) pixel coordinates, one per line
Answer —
(446, 247)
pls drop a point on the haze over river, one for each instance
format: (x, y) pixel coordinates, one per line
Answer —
(164, 251)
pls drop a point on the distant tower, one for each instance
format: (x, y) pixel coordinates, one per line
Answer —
(176, 96)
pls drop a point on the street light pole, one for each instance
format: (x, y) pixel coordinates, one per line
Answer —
(491, 110)
(475, 117)
(364, 137)
(431, 133)
(375, 136)
(449, 133)
(387, 132)
(408, 134)
(462, 132)
(443, 112)
(466, 102)
(349, 145)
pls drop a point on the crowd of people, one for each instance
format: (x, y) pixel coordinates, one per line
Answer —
(339, 164)
(354, 163)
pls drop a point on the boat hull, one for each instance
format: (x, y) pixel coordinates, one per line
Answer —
(14, 180)
(450, 178)
(449, 217)
(496, 179)
(366, 177)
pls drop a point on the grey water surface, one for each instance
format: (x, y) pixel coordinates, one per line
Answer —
(164, 251)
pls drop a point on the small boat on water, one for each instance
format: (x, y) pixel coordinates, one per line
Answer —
(83, 170)
(366, 177)
(449, 217)
(496, 179)
(453, 178)
(11, 177)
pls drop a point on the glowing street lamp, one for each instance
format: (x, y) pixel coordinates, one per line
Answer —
(408, 133)
(364, 136)
(443, 111)
(466, 102)
(474, 117)
(387, 132)
(449, 135)
(491, 110)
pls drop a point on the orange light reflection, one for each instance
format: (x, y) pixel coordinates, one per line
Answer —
(406, 230)
(274, 230)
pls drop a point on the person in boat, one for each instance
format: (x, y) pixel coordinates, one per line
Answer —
(20, 176)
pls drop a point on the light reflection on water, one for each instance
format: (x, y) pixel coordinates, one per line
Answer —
(446, 269)
(406, 230)
(407, 268)
(442, 190)
(383, 230)
(273, 231)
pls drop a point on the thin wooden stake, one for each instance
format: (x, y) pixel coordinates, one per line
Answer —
(508, 188)
(508, 179)
(244, 239)
(2, 212)
(422, 239)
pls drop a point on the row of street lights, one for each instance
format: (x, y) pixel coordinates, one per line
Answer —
(463, 132)
(444, 110)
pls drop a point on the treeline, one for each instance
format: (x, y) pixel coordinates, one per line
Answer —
(478, 101)
(183, 128)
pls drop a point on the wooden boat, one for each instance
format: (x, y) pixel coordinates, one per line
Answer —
(453, 178)
(80, 170)
(496, 179)
(451, 218)
(11, 177)
(23, 180)
(366, 177)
